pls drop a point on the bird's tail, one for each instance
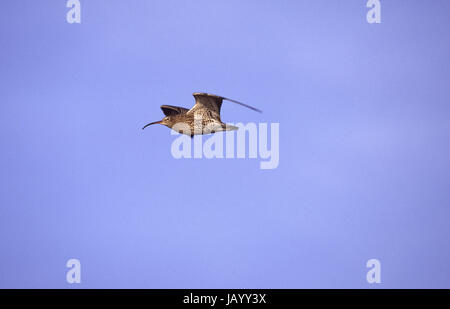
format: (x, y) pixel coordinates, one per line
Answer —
(229, 127)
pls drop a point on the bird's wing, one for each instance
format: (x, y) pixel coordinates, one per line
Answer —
(170, 110)
(207, 101)
(213, 102)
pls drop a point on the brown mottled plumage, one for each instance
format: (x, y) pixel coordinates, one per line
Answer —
(202, 118)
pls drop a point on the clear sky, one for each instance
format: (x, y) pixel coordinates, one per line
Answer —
(364, 144)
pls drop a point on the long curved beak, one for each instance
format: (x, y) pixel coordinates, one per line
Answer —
(156, 122)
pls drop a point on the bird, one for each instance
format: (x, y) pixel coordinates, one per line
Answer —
(202, 118)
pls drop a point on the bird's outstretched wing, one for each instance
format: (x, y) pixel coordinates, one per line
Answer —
(213, 102)
(170, 110)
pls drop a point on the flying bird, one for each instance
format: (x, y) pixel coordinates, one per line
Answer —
(202, 118)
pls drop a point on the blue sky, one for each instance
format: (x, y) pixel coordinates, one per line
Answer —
(364, 129)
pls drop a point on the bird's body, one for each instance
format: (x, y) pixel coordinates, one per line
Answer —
(202, 118)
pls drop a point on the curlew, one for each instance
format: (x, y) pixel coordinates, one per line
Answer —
(202, 118)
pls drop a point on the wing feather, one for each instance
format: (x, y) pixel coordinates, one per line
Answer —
(214, 102)
(170, 110)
